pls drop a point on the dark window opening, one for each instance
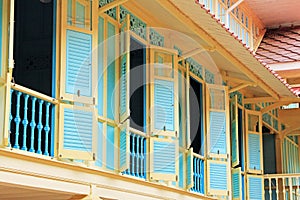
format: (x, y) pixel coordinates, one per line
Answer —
(33, 42)
(196, 116)
(137, 88)
(240, 138)
(269, 153)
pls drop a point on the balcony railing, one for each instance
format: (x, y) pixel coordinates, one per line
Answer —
(238, 20)
(138, 157)
(282, 186)
(30, 121)
(198, 165)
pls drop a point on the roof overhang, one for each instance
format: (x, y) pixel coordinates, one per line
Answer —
(233, 59)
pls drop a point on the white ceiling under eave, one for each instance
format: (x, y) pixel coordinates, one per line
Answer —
(276, 12)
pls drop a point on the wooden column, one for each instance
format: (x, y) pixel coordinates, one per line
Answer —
(279, 166)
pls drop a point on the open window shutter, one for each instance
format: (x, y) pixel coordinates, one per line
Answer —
(1, 36)
(236, 179)
(77, 74)
(217, 106)
(124, 69)
(234, 132)
(164, 108)
(218, 178)
(189, 169)
(255, 187)
(254, 141)
(78, 127)
(163, 159)
(124, 147)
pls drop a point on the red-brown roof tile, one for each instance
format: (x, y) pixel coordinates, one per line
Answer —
(280, 45)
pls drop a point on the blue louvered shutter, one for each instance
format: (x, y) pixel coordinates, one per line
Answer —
(217, 123)
(254, 151)
(78, 80)
(254, 141)
(163, 159)
(218, 178)
(236, 179)
(189, 169)
(255, 187)
(124, 69)
(77, 129)
(164, 105)
(234, 132)
(124, 147)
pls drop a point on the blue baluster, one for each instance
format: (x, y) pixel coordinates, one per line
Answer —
(47, 129)
(40, 127)
(133, 155)
(10, 118)
(144, 158)
(25, 122)
(32, 124)
(137, 156)
(17, 121)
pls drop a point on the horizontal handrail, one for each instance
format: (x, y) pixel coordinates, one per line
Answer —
(295, 175)
(34, 93)
(137, 132)
(198, 156)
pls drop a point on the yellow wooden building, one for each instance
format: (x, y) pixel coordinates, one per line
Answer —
(149, 99)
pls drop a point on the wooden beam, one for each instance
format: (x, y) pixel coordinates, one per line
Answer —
(241, 86)
(193, 53)
(236, 4)
(236, 80)
(183, 18)
(283, 100)
(259, 39)
(274, 105)
(111, 5)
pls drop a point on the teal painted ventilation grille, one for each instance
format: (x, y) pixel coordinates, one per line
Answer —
(111, 12)
(156, 38)
(136, 25)
(195, 67)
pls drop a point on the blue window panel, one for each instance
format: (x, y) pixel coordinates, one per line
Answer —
(217, 133)
(99, 145)
(217, 178)
(110, 148)
(164, 105)
(243, 187)
(236, 179)
(78, 129)
(79, 64)
(163, 159)
(100, 65)
(181, 176)
(255, 188)
(254, 151)
(111, 71)
(80, 15)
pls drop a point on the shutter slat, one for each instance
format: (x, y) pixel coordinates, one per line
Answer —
(254, 151)
(164, 104)
(163, 159)
(78, 135)
(218, 178)
(79, 68)
(255, 188)
(218, 133)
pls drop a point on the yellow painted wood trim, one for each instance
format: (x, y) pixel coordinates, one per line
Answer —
(34, 93)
